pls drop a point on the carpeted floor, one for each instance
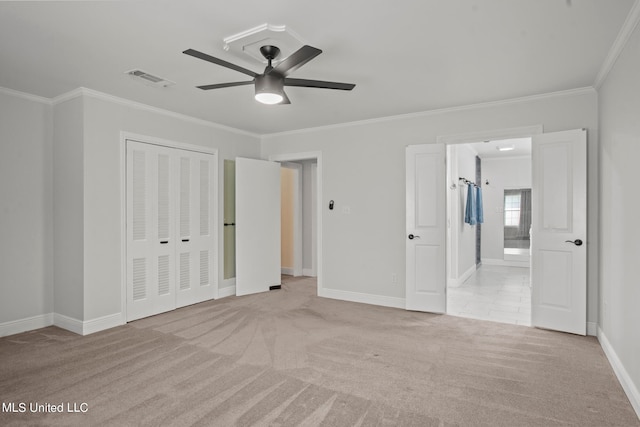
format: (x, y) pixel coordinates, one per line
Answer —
(290, 358)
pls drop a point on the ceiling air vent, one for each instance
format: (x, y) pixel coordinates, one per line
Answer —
(149, 78)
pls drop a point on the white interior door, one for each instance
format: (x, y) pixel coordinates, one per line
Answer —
(559, 230)
(425, 227)
(195, 243)
(257, 225)
(150, 224)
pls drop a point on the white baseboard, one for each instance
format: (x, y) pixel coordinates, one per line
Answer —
(227, 291)
(592, 329)
(88, 326)
(505, 263)
(102, 323)
(286, 270)
(27, 324)
(460, 280)
(68, 323)
(628, 386)
(363, 298)
(309, 272)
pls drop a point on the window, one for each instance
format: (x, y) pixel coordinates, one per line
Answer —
(512, 210)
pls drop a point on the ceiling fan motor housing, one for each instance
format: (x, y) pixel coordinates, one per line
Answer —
(269, 83)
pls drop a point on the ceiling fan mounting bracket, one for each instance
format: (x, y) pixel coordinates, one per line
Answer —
(270, 52)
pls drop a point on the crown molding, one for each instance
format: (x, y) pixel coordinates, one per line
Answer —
(83, 91)
(623, 37)
(25, 95)
(490, 104)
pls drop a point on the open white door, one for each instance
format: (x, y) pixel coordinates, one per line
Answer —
(559, 230)
(426, 228)
(257, 225)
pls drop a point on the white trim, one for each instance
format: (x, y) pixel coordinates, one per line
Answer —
(507, 133)
(362, 298)
(140, 106)
(68, 323)
(27, 324)
(227, 291)
(505, 263)
(24, 95)
(287, 270)
(102, 323)
(310, 155)
(145, 139)
(626, 382)
(308, 272)
(619, 44)
(490, 104)
(592, 329)
(460, 280)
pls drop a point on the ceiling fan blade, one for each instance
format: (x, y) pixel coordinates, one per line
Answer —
(318, 84)
(285, 99)
(218, 61)
(296, 60)
(221, 85)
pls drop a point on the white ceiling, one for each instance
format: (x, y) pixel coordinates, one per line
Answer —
(405, 56)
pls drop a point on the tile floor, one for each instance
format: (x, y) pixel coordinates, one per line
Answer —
(497, 293)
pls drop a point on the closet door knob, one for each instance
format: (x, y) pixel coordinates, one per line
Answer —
(411, 237)
(576, 242)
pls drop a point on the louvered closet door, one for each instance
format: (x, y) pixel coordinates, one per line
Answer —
(150, 227)
(195, 247)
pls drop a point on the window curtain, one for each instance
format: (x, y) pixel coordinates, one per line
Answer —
(525, 213)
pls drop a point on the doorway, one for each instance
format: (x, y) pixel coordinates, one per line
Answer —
(310, 210)
(488, 275)
(298, 218)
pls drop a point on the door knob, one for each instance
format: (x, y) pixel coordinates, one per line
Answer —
(411, 237)
(576, 242)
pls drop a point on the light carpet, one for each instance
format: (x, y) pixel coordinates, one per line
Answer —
(289, 358)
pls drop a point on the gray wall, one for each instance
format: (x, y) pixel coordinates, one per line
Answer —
(68, 209)
(26, 225)
(364, 168)
(619, 104)
(104, 121)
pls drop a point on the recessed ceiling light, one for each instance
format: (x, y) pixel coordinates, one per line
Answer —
(506, 148)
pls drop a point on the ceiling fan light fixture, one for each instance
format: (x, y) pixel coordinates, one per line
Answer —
(269, 89)
(269, 98)
(506, 148)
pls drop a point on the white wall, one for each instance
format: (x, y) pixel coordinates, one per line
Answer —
(308, 216)
(363, 168)
(465, 158)
(619, 104)
(26, 224)
(104, 120)
(502, 173)
(286, 218)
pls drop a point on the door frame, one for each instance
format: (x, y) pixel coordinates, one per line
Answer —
(217, 214)
(297, 215)
(310, 155)
(467, 138)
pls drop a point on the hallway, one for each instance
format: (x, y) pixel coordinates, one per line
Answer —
(497, 293)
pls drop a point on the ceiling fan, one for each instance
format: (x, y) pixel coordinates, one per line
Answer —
(269, 85)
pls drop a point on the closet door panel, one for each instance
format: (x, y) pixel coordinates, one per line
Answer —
(196, 249)
(150, 279)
